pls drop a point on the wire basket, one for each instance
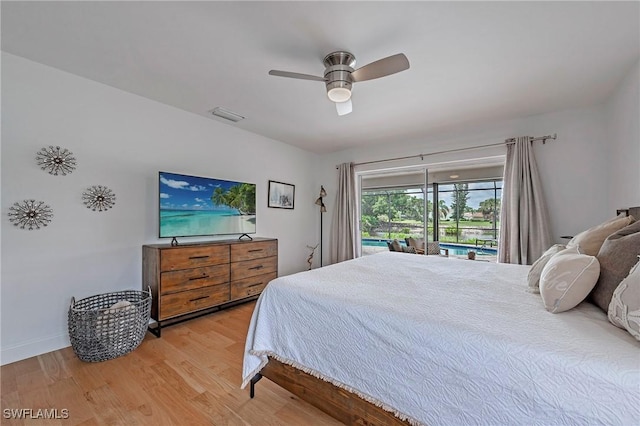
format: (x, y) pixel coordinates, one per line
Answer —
(109, 325)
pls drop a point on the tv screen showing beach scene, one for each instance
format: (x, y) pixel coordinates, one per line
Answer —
(193, 206)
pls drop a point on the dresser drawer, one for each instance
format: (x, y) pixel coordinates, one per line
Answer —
(257, 250)
(193, 257)
(251, 268)
(250, 286)
(192, 278)
(193, 300)
(188, 279)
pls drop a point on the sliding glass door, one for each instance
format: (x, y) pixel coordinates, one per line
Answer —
(393, 207)
(469, 212)
(392, 213)
(460, 212)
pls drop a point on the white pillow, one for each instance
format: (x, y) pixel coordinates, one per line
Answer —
(533, 278)
(592, 239)
(567, 279)
(624, 309)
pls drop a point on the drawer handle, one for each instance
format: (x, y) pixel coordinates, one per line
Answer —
(199, 278)
(254, 285)
(198, 298)
(254, 250)
(257, 267)
(198, 257)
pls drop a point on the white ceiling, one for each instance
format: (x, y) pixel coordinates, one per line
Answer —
(471, 62)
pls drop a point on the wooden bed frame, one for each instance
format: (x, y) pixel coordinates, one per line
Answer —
(339, 403)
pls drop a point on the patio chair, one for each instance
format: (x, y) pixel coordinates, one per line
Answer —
(430, 248)
(396, 246)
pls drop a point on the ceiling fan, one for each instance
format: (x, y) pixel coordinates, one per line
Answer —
(339, 75)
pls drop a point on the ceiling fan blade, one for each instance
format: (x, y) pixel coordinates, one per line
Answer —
(380, 68)
(344, 108)
(296, 75)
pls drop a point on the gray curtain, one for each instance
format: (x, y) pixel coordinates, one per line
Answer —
(524, 222)
(344, 228)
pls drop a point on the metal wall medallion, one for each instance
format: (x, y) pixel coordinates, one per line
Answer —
(56, 160)
(30, 214)
(98, 198)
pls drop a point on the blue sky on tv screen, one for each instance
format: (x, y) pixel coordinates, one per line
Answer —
(180, 192)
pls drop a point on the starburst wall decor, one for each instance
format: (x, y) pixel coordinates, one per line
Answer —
(56, 160)
(30, 214)
(98, 198)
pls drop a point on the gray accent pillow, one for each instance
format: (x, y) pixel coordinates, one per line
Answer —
(533, 279)
(591, 240)
(618, 254)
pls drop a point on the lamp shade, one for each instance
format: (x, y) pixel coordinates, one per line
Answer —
(323, 193)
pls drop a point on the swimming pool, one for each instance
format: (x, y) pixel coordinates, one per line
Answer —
(454, 249)
(461, 250)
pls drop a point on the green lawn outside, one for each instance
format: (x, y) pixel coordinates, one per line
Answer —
(411, 228)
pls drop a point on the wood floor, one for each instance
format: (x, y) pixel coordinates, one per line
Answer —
(190, 376)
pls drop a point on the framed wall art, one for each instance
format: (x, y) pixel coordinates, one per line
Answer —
(281, 195)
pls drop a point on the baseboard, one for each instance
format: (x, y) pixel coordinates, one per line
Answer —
(33, 348)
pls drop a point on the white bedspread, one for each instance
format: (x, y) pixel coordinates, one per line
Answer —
(448, 341)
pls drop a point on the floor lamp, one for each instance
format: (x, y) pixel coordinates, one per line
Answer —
(323, 209)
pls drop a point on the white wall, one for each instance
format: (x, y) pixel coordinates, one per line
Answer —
(623, 141)
(120, 140)
(573, 168)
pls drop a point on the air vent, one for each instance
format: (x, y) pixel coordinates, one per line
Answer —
(226, 114)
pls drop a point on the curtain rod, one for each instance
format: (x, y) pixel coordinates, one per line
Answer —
(539, 138)
(421, 156)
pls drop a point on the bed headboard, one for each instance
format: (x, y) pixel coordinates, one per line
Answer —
(631, 211)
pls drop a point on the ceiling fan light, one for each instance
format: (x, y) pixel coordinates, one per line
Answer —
(339, 94)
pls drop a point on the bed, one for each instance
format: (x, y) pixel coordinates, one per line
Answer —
(409, 339)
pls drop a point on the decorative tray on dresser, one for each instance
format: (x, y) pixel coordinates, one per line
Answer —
(193, 279)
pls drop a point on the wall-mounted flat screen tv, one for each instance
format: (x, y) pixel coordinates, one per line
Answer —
(193, 206)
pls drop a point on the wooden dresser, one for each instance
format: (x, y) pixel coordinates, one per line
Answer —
(193, 278)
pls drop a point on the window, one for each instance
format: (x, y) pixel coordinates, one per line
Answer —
(392, 213)
(469, 212)
(397, 205)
